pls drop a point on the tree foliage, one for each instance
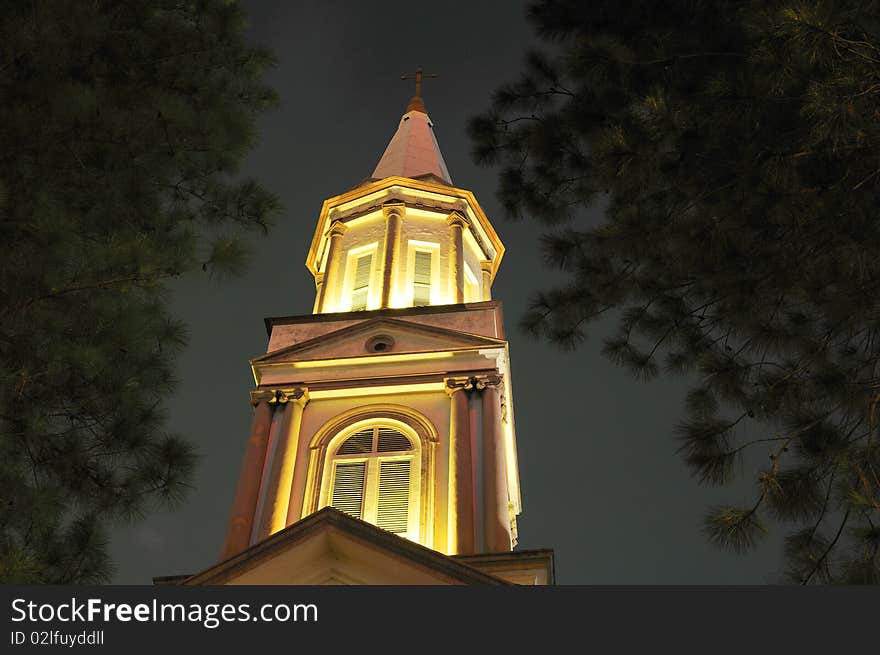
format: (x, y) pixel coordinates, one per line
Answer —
(735, 150)
(121, 129)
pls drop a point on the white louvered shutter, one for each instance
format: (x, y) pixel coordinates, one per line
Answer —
(422, 278)
(348, 487)
(361, 286)
(393, 510)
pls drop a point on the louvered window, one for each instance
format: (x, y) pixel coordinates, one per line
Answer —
(359, 442)
(393, 511)
(390, 440)
(372, 477)
(361, 283)
(422, 278)
(348, 487)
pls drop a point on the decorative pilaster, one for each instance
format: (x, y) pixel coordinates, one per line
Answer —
(244, 505)
(393, 212)
(280, 478)
(457, 223)
(460, 505)
(319, 289)
(331, 277)
(496, 520)
(486, 270)
(478, 469)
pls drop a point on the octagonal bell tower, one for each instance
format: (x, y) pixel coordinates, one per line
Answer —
(405, 237)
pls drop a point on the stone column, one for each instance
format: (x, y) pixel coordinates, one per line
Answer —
(460, 506)
(486, 270)
(280, 478)
(247, 493)
(331, 277)
(496, 517)
(456, 223)
(393, 212)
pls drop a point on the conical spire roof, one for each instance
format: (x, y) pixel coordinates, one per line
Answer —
(413, 150)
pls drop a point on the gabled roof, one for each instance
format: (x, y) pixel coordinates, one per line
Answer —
(330, 547)
(408, 337)
(413, 151)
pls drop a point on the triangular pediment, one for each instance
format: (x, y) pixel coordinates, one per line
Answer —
(330, 547)
(379, 336)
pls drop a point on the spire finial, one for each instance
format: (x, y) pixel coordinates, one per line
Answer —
(415, 103)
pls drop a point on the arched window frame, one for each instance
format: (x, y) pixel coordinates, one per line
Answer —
(422, 434)
(373, 462)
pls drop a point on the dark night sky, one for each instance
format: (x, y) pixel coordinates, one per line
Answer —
(601, 481)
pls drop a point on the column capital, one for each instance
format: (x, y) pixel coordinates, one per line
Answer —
(262, 396)
(472, 383)
(457, 218)
(486, 265)
(393, 207)
(337, 229)
(451, 385)
(298, 395)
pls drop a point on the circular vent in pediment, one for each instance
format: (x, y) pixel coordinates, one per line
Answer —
(381, 343)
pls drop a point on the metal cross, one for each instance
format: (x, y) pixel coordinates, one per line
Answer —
(418, 78)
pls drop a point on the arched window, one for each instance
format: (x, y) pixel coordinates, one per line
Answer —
(376, 462)
(374, 477)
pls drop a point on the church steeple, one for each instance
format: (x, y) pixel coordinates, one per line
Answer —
(392, 401)
(413, 150)
(406, 237)
(383, 422)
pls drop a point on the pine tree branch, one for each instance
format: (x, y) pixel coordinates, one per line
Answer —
(847, 44)
(824, 556)
(102, 285)
(867, 179)
(742, 447)
(668, 59)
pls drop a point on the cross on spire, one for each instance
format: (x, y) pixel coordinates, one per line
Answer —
(415, 102)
